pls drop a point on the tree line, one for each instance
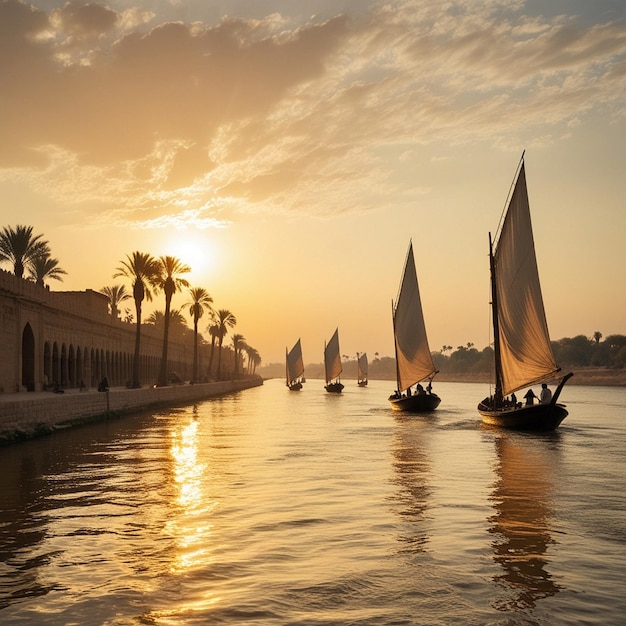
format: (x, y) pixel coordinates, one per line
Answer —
(569, 352)
(148, 276)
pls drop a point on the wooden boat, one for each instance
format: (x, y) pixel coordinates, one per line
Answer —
(295, 367)
(361, 369)
(414, 363)
(522, 350)
(332, 364)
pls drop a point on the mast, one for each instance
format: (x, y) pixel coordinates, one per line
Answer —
(496, 326)
(395, 347)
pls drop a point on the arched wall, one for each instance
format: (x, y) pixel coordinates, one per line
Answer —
(70, 338)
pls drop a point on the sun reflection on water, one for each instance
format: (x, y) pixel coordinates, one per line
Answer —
(190, 527)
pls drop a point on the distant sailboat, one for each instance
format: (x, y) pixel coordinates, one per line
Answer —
(522, 349)
(414, 362)
(295, 367)
(361, 369)
(332, 364)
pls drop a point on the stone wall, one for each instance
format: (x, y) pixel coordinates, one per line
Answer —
(24, 416)
(49, 336)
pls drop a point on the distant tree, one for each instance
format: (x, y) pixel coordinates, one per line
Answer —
(597, 336)
(254, 359)
(214, 331)
(239, 345)
(225, 320)
(42, 266)
(116, 295)
(464, 358)
(200, 302)
(169, 281)
(156, 318)
(143, 270)
(177, 321)
(573, 351)
(19, 246)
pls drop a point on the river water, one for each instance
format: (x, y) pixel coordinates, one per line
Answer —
(278, 507)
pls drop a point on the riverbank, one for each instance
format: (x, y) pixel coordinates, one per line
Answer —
(28, 415)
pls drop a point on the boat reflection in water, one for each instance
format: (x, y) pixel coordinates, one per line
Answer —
(412, 498)
(522, 499)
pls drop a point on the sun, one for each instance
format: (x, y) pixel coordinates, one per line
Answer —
(192, 249)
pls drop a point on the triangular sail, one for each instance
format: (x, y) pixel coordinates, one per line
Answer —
(525, 351)
(413, 359)
(295, 364)
(332, 358)
(362, 366)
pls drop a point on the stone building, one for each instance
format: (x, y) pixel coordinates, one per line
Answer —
(70, 338)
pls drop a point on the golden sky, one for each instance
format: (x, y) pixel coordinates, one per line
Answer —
(288, 151)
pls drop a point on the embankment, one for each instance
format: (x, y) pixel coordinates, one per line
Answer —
(28, 415)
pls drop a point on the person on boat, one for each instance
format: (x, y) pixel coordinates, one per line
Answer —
(546, 394)
(419, 389)
(530, 397)
(429, 387)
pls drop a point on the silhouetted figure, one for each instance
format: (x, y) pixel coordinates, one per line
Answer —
(546, 394)
(530, 397)
(103, 385)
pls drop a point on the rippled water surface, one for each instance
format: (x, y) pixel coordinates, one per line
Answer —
(278, 507)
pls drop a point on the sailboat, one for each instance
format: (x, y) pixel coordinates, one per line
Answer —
(361, 369)
(295, 367)
(332, 364)
(414, 362)
(522, 349)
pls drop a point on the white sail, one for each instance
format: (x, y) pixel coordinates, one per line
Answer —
(332, 358)
(525, 351)
(413, 359)
(295, 364)
(362, 366)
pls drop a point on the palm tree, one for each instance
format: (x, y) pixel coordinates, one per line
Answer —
(239, 344)
(42, 267)
(200, 302)
(116, 295)
(143, 270)
(214, 331)
(178, 325)
(18, 246)
(156, 318)
(224, 320)
(169, 282)
(254, 359)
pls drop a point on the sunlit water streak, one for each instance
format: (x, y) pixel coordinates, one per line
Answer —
(278, 507)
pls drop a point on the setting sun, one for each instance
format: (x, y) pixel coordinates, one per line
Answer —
(192, 248)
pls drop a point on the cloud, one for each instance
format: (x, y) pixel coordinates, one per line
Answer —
(269, 114)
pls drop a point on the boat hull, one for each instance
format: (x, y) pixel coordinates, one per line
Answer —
(539, 417)
(362, 383)
(334, 387)
(295, 386)
(418, 403)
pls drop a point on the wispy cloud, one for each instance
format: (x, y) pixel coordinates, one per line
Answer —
(169, 123)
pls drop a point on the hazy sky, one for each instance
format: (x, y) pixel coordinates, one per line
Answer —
(288, 151)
